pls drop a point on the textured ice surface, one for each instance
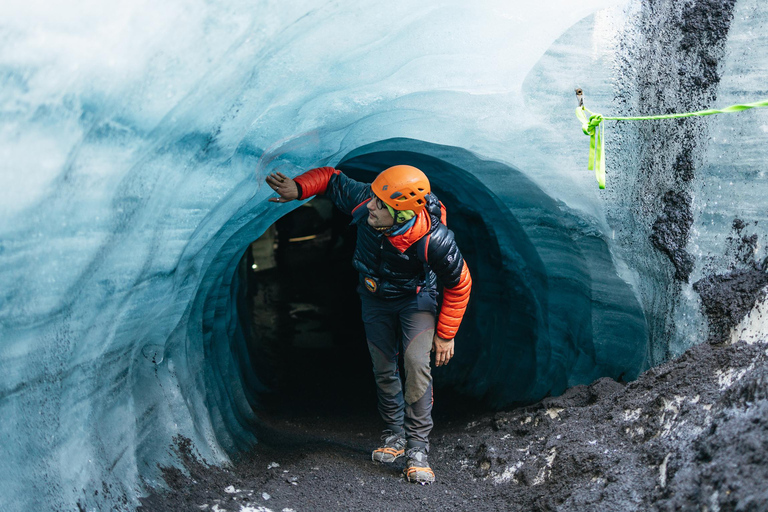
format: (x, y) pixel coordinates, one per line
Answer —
(734, 175)
(134, 138)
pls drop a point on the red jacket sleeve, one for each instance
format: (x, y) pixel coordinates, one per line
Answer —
(454, 305)
(314, 181)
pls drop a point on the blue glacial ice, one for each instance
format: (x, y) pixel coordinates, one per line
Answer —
(135, 139)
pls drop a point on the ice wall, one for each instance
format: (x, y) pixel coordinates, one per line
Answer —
(732, 185)
(135, 138)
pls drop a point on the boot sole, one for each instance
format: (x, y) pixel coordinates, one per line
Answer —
(420, 477)
(384, 458)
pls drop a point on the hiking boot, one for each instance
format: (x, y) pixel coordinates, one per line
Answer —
(417, 468)
(392, 448)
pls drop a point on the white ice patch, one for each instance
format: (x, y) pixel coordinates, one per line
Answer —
(508, 474)
(753, 328)
(674, 404)
(546, 471)
(551, 457)
(554, 412)
(244, 508)
(669, 413)
(714, 501)
(632, 414)
(527, 449)
(725, 379)
(663, 471)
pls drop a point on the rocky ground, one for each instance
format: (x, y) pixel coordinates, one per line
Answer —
(691, 434)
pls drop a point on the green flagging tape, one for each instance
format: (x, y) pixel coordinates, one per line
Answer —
(593, 126)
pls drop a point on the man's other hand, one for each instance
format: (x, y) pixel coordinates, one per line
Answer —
(443, 350)
(284, 186)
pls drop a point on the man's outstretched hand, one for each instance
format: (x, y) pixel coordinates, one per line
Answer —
(284, 186)
(443, 350)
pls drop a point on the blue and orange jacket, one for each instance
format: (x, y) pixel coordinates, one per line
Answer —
(405, 264)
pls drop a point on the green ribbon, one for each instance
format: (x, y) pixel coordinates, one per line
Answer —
(592, 125)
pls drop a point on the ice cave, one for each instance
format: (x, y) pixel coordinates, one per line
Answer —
(151, 295)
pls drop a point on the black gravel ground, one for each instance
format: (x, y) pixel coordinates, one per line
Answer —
(691, 434)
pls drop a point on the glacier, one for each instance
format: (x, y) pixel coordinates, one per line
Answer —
(136, 137)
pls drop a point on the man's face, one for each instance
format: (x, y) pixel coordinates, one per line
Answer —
(378, 215)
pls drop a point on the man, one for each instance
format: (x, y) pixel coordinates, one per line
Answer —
(402, 246)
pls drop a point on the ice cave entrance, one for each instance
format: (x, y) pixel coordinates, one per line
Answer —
(527, 331)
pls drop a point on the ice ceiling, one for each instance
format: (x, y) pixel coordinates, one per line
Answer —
(134, 139)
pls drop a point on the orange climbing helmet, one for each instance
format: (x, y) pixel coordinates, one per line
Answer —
(403, 187)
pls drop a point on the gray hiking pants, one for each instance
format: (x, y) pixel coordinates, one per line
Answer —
(411, 410)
